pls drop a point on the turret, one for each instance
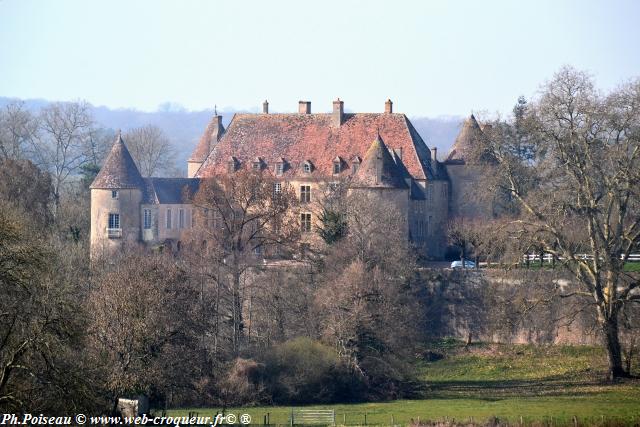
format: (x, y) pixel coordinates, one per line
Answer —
(116, 195)
(211, 136)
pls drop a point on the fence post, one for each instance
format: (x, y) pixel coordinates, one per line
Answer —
(575, 421)
(291, 417)
(393, 423)
(334, 417)
(365, 418)
(344, 419)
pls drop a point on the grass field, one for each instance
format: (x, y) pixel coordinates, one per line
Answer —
(538, 384)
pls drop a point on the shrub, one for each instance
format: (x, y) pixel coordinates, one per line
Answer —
(305, 371)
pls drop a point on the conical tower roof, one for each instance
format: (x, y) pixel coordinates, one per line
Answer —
(378, 169)
(467, 140)
(211, 135)
(119, 169)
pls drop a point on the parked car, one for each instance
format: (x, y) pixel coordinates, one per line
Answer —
(467, 264)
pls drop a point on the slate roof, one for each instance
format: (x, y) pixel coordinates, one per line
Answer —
(379, 168)
(313, 137)
(119, 170)
(169, 190)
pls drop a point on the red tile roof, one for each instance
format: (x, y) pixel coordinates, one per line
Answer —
(301, 137)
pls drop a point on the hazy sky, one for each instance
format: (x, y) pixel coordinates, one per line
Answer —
(430, 57)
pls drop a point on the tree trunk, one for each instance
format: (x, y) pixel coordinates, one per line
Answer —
(237, 312)
(612, 344)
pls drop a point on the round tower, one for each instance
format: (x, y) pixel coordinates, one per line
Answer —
(116, 196)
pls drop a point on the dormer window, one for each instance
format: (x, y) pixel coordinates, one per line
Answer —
(257, 164)
(337, 165)
(280, 167)
(355, 164)
(307, 167)
(232, 165)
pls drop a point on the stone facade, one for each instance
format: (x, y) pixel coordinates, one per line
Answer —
(380, 154)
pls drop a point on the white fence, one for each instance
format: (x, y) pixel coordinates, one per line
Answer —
(549, 258)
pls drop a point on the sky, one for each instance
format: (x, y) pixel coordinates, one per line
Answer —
(432, 58)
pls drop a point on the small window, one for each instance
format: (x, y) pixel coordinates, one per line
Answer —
(232, 165)
(147, 219)
(305, 222)
(279, 169)
(305, 193)
(181, 218)
(257, 250)
(114, 221)
(256, 166)
(306, 167)
(336, 168)
(114, 194)
(168, 219)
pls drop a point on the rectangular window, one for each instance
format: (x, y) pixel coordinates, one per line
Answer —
(336, 168)
(279, 169)
(306, 167)
(114, 221)
(181, 218)
(277, 188)
(147, 219)
(114, 194)
(305, 193)
(168, 219)
(217, 219)
(305, 222)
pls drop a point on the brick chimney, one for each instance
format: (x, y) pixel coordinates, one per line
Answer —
(304, 107)
(265, 107)
(388, 107)
(337, 117)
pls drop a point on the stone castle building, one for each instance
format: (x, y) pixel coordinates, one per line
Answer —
(378, 153)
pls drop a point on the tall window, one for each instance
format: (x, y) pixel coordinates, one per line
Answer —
(114, 194)
(277, 188)
(336, 168)
(147, 219)
(217, 219)
(181, 218)
(168, 220)
(279, 169)
(114, 221)
(305, 222)
(305, 193)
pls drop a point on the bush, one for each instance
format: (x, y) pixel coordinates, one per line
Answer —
(306, 371)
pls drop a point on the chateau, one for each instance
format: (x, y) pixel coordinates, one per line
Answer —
(380, 153)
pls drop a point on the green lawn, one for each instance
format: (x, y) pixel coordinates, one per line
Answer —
(541, 384)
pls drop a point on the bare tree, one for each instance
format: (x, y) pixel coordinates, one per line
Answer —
(151, 150)
(577, 190)
(18, 129)
(65, 130)
(240, 218)
(142, 329)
